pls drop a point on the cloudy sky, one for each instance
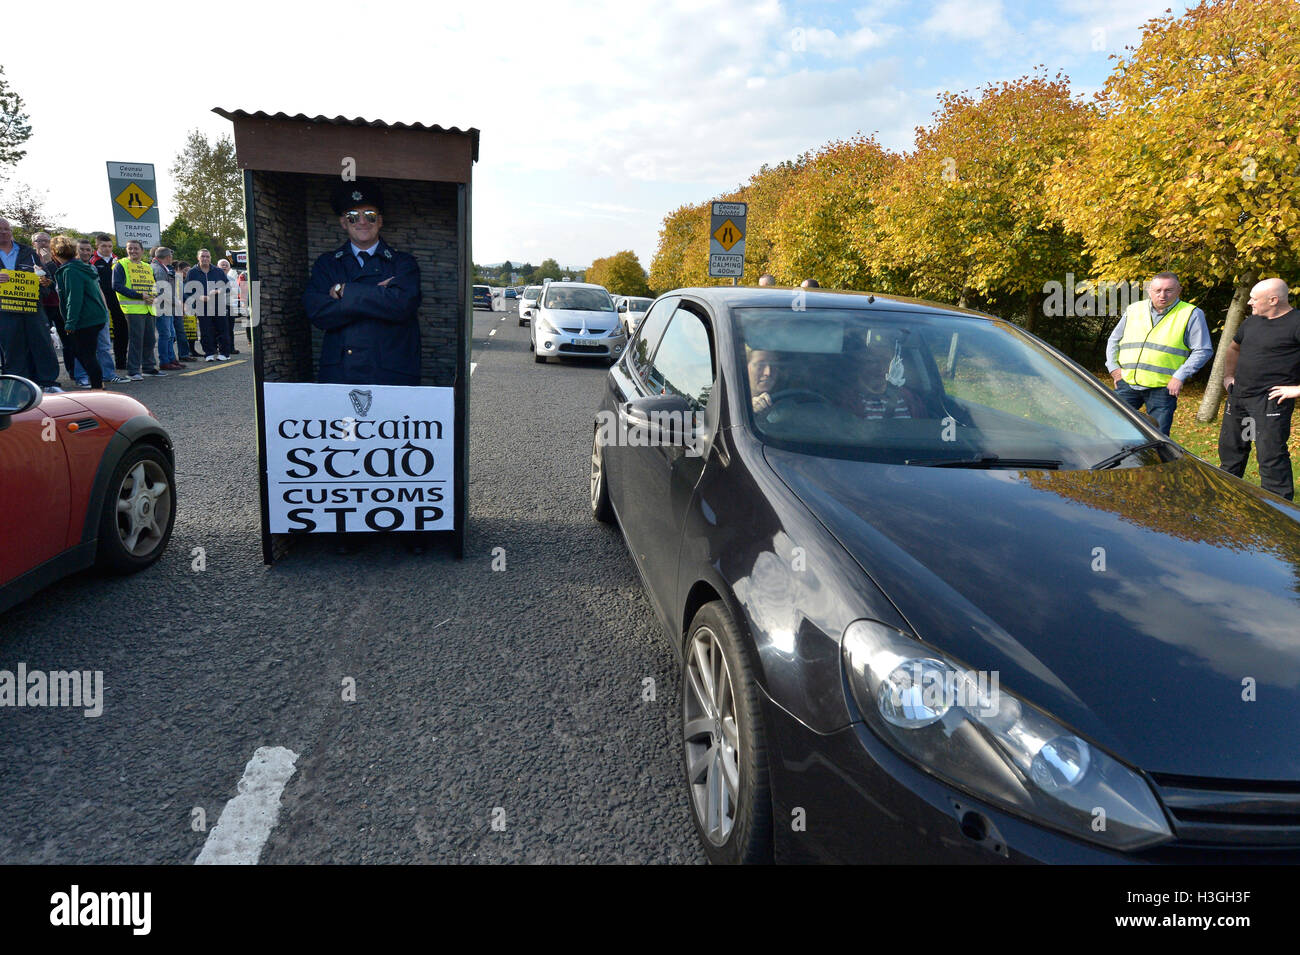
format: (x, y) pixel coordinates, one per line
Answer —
(597, 119)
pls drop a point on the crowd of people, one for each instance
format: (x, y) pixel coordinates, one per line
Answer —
(115, 320)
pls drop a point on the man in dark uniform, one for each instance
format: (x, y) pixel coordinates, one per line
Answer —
(365, 295)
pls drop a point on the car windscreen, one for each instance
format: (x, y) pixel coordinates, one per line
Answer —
(579, 299)
(482, 290)
(912, 387)
(639, 304)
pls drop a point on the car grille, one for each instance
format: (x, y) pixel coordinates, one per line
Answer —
(571, 331)
(1225, 812)
(585, 349)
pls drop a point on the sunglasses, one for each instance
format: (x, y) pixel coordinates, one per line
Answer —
(355, 217)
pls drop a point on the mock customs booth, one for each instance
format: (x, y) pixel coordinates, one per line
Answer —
(357, 458)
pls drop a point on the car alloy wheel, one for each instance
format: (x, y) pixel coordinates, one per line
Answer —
(712, 737)
(724, 747)
(139, 510)
(601, 509)
(143, 499)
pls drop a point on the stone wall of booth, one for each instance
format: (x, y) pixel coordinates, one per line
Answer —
(279, 236)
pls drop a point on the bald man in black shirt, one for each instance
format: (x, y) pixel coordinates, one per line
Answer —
(1262, 362)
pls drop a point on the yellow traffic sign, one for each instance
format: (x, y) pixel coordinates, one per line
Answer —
(728, 234)
(134, 200)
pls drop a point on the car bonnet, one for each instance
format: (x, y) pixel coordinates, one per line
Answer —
(1154, 609)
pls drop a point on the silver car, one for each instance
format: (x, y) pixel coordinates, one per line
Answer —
(576, 320)
(631, 309)
(527, 302)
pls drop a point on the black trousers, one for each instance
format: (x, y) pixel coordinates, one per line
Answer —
(214, 335)
(121, 332)
(1269, 424)
(83, 344)
(25, 338)
(56, 322)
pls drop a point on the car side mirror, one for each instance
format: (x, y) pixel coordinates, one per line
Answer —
(16, 396)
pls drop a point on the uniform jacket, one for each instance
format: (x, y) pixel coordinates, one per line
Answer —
(372, 335)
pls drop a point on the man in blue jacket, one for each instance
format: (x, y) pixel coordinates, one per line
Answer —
(365, 296)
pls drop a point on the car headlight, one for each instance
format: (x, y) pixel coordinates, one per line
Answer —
(546, 325)
(966, 729)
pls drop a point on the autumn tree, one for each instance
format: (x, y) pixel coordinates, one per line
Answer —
(823, 219)
(962, 216)
(677, 260)
(27, 209)
(184, 240)
(621, 273)
(1192, 164)
(15, 127)
(209, 189)
(549, 269)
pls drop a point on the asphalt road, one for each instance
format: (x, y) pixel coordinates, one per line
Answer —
(512, 697)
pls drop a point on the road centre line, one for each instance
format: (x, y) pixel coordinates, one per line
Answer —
(215, 366)
(247, 820)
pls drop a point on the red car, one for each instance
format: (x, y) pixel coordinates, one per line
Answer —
(84, 480)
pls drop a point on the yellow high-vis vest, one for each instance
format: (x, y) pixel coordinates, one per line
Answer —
(139, 278)
(1148, 355)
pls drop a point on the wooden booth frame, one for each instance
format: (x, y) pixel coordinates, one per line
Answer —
(290, 164)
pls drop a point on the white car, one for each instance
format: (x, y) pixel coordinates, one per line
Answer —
(527, 302)
(631, 309)
(576, 320)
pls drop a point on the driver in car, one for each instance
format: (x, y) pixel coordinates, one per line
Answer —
(764, 375)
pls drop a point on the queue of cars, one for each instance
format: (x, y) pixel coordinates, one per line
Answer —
(939, 594)
(89, 481)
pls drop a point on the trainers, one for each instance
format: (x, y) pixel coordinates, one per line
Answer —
(210, 358)
(222, 358)
(52, 390)
(137, 377)
(156, 373)
(117, 380)
(83, 385)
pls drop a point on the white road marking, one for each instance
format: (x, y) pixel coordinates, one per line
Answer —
(472, 366)
(491, 333)
(247, 820)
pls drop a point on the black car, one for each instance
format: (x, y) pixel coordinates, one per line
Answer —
(483, 296)
(939, 596)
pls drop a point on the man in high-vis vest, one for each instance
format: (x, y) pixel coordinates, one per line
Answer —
(1159, 343)
(133, 282)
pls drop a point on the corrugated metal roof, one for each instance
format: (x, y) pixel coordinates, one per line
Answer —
(232, 114)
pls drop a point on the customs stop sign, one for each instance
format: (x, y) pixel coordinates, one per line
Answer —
(359, 458)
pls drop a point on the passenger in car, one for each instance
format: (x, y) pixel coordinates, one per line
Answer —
(870, 394)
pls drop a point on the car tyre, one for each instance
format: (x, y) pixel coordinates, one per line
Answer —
(601, 509)
(724, 745)
(139, 511)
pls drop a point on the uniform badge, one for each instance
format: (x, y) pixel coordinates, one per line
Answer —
(356, 195)
(361, 401)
